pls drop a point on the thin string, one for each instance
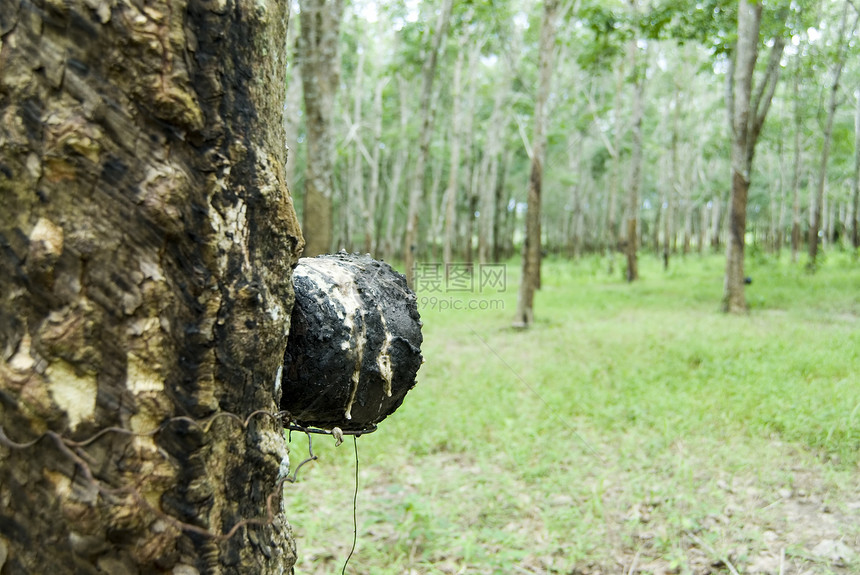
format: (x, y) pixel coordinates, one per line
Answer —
(354, 509)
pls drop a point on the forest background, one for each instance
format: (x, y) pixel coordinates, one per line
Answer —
(634, 430)
(422, 131)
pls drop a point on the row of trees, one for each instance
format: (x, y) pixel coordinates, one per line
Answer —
(633, 126)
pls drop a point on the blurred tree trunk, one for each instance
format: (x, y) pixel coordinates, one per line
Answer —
(400, 161)
(454, 169)
(355, 208)
(783, 209)
(488, 203)
(470, 160)
(748, 112)
(716, 204)
(148, 238)
(416, 185)
(502, 233)
(531, 248)
(319, 42)
(638, 71)
(855, 184)
(371, 215)
(795, 178)
(827, 137)
(615, 175)
(293, 105)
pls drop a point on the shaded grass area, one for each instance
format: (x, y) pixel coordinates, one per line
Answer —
(633, 429)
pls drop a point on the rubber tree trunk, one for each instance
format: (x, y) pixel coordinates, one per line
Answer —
(632, 272)
(454, 171)
(748, 111)
(531, 248)
(319, 40)
(147, 242)
(416, 184)
(795, 178)
(749, 18)
(813, 239)
(855, 184)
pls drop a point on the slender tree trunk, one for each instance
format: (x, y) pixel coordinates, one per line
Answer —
(783, 210)
(749, 18)
(674, 178)
(488, 202)
(400, 160)
(827, 137)
(716, 211)
(454, 170)
(501, 237)
(635, 170)
(371, 215)
(320, 64)
(855, 184)
(355, 207)
(749, 111)
(469, 157)
(437, 212)
(293, 105)
(531, 248)
(146, 277)
(795, 178)
(416, 186)
(615, 174)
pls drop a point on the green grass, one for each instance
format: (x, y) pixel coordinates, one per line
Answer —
(631, 424)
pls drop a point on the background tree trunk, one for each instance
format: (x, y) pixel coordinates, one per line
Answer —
(416, 187)
(531, 247)
(454, 170)
(635, 161)
(827, 137)
(855, 184)
(748, 113)
(148, 238)
(319, 43)
(795, 178)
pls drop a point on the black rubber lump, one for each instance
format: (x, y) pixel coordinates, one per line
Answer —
(355, 343)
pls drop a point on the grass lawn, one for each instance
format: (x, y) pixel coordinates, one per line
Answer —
(633, 429)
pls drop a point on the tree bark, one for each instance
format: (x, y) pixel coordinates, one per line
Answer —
(635, 170)
(454, 170)
(749, 19)
(855, 184)
(813, 239)
(795, 178)
(320, 64)
(371, 215)
(531, 248)
(416, 186)
(400, 160)
(749, 111)
(148, 238)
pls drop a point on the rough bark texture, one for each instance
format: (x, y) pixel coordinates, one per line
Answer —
(320, 64)
(355, 343)
(531, 248)
(147, 241)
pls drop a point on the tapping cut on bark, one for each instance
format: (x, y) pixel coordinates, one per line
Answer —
(355, 343)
